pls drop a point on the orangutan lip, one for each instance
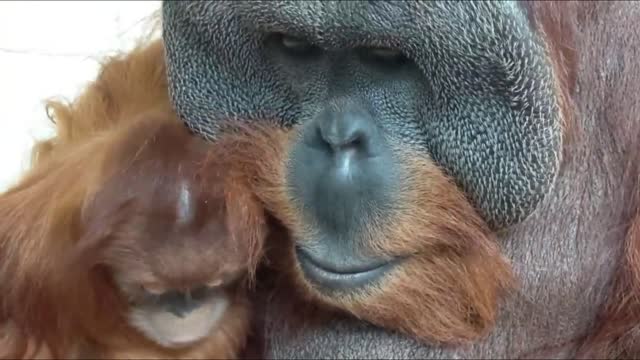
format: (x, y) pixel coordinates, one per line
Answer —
(344, 278)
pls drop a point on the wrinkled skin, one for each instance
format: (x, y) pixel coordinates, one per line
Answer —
(480, 96)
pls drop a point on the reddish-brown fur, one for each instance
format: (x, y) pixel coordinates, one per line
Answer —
(616, 332)
(107, 101)
(83, 205)
(452, 291)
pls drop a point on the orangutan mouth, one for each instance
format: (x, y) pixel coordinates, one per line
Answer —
(342, 273)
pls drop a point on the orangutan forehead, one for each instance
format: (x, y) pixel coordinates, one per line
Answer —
(337, 24)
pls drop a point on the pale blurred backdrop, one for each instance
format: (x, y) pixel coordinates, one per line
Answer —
(50, 49)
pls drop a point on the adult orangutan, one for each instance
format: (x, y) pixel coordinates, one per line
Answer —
(530, 108)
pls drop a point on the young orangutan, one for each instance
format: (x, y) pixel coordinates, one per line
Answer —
(132, 244)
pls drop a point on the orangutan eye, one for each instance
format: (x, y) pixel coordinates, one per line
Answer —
(384, 56)
(152, 289)
(385, 53)
(293, 46)
(294, 43)
(215, 283)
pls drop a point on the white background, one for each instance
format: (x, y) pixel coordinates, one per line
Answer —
(50, 49)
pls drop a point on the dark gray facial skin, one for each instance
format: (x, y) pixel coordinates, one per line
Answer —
(475, 90)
